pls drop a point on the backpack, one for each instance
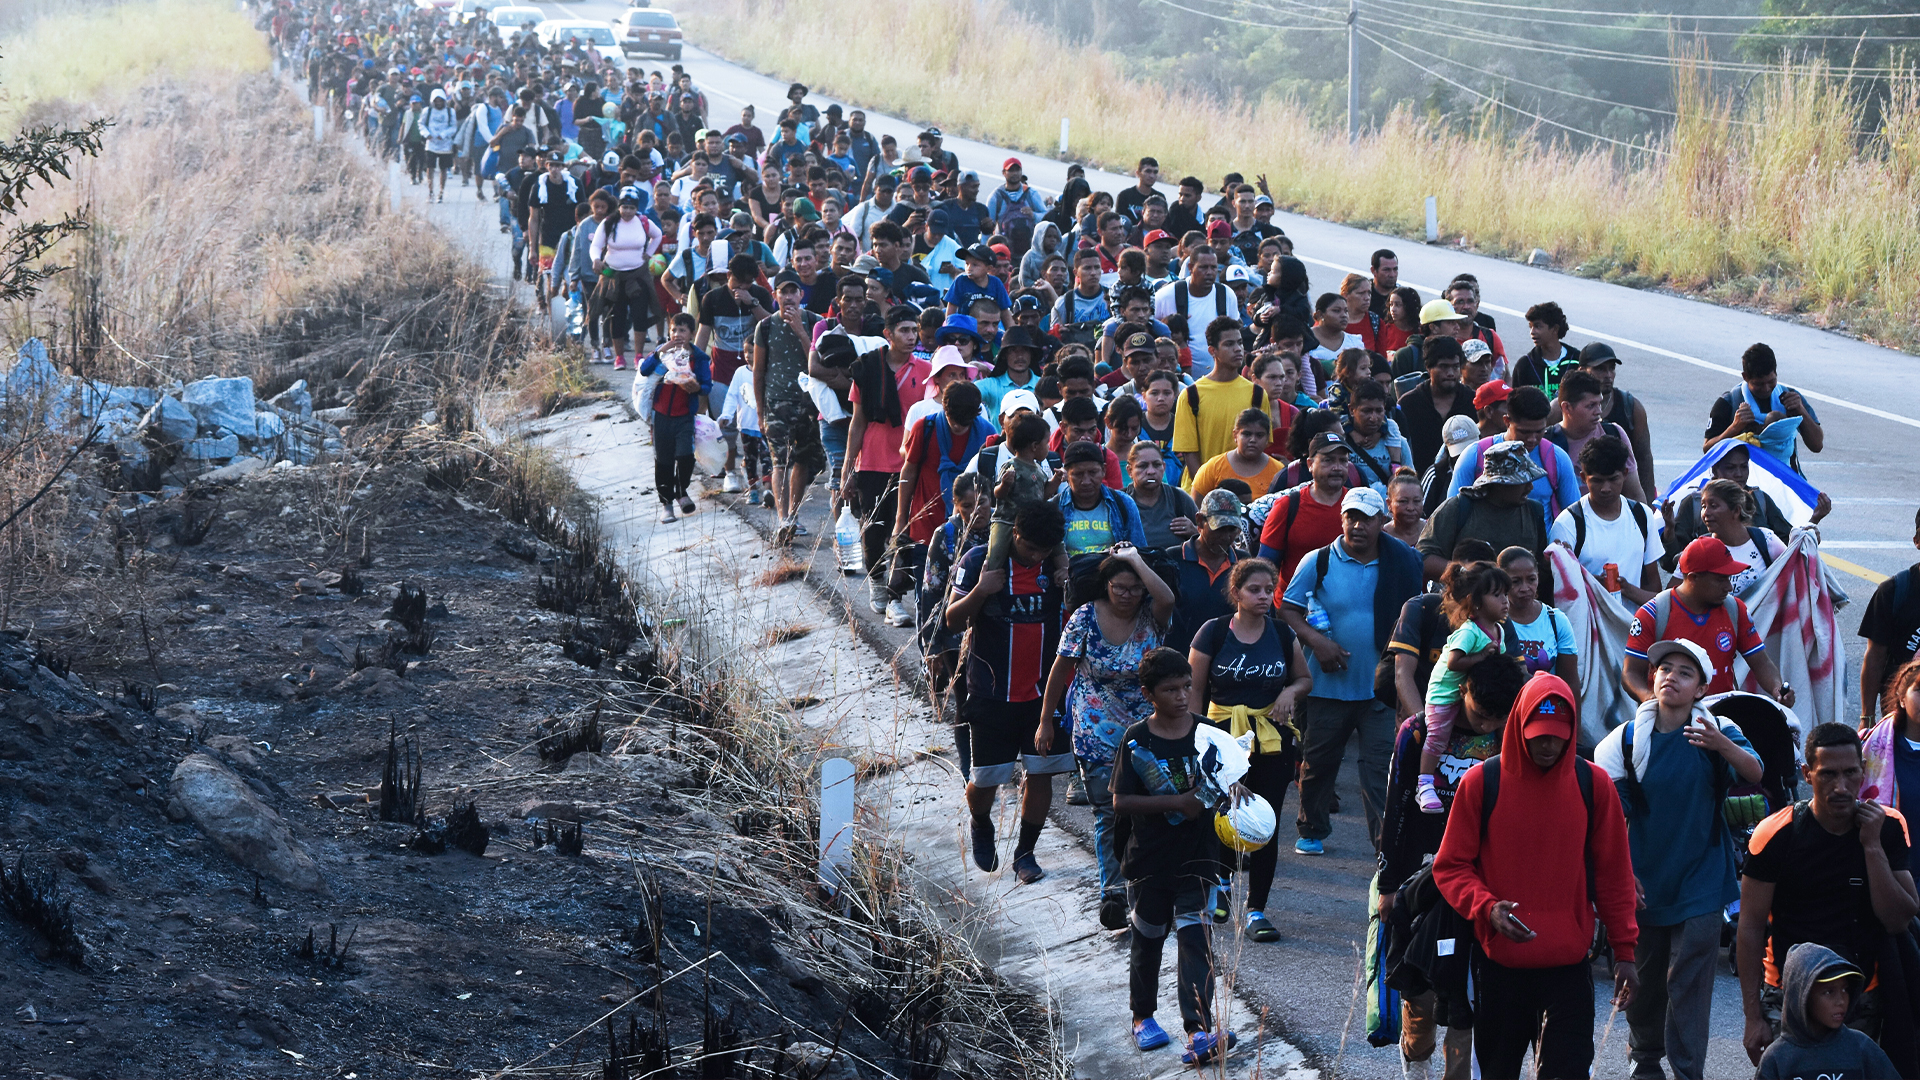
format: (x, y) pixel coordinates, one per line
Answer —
(1549, 462)
(1180, 298)
(1580, 524)
(1393, 458)
(1192, 397)
(949, 468)
(1722, 779)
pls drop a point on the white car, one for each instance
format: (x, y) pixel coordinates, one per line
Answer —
(596, 35)
(650, 31)
(509, 19)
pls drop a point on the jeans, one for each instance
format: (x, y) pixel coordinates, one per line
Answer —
(1099, 781)
(1669, 1014)
(1327, 725)
(833, 437)
(672, 456)
(1515, 1008)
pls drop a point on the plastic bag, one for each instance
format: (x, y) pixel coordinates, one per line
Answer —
(644, 391)
(709, 451)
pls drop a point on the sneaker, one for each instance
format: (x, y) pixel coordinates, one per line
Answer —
(1028, 869)
(1113, 913)
(1222, 907)
(619, 363)
(1259, 929)
(1076, 790)
(753, 495)
(783, 535)
(734, 484)
(1304, 846)
(686, 505)
(985, 853)
(898, 615)
(877, 604)
(666, 513)
(1204, 1046)
(1147, 1035)
(800, 530)
(1415, 1070)
(1424, 795)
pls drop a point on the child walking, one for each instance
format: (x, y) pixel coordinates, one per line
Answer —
(687, 379)
(1477, 606)
(1171, 859)
(1817, 992)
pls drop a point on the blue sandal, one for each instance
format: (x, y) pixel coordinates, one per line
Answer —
(1204, 1045)
(1149, 1036)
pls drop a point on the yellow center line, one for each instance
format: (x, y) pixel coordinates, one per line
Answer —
(1855, 569)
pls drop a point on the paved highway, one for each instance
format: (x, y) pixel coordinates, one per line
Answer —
(1679, 354)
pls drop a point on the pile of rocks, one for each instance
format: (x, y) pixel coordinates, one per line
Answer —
(187, 427)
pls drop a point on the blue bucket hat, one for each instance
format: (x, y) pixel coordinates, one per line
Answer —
(960, 325)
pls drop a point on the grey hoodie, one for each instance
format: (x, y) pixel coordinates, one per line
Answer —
(1806, 1052)
(1046, 241)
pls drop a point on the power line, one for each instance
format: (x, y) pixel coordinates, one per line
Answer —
(1664, 29)
(1507, 105)
(1676, 15)
(1335, 24)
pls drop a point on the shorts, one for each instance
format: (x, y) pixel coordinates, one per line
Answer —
(443, 161)
(793, 436)
(1002, 733)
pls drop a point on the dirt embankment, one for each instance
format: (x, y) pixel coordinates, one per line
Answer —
(375, 766)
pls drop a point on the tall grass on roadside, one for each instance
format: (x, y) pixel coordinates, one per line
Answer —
(1774, 202)
(76, 54)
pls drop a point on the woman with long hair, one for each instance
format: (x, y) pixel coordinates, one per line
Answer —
(1726, 512)
(1402, 321)
(1329, 338)
(1893, 744)
(1357, 290)
(621, 247)
(1249, 674)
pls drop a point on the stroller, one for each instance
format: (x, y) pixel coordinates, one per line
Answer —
(1776, 735)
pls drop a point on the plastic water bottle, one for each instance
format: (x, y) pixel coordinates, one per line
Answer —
(1317, 616)
(846, 541)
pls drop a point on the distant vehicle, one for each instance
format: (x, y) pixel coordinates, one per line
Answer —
(513, 18)
(598, 36)
(464, 10)
(651, 32)
(427, 4)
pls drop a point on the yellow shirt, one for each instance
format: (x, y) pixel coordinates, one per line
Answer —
(1210, 433)
(1208, 476)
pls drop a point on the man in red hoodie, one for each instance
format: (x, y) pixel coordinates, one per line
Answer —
(1526, 828)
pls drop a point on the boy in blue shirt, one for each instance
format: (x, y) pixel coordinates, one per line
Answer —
(1673, 763)
(978, 281)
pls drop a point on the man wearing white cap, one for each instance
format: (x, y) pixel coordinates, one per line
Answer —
(1342, 601)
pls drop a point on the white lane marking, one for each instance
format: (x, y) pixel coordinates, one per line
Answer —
(1866, 545)
(1654, 349)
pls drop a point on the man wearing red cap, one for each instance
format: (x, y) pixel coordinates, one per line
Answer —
(1702, 609)
(1015, 206)
(1490, 406)
(1527, 829)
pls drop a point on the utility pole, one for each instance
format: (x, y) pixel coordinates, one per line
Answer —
(1353, 71)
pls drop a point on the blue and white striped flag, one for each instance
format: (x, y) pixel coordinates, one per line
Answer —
(1767, 473)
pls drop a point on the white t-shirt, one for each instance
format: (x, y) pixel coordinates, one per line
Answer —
(739, 406)
(1201, 310)
(1618, 541)
(1750, 554)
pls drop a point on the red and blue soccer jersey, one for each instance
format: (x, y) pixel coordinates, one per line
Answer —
(1013, 638)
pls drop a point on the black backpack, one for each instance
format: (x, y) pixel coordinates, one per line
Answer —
(1580, 524)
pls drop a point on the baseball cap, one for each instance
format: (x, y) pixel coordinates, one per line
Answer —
(933, 133)
(1549, 716)
(1263, 200)
(1015, 400)
(1238, 273)
(1157, 236)
(940, 218)
(1326, 441)
(1663, 649)
(741, 220)
(1596, 353)
(610, 161)
(969, 177)
(919, 174)
(1491, 391)
(1137, 343)
(1221, 509)
(1458, 433)
(1708, 555)
(783, 284)
(804, 209)
(1011, 163)
(1219, 229)
(554, 157)
(1001, 251)
(977, 253)
(1364, 499)
(1473, 350)
(1434, 311)
(737, 137)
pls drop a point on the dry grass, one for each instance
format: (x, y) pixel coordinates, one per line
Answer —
(74, 55)
(784, 569)
(1774, 203)
(785, 632)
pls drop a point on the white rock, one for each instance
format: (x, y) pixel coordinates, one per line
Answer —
(225, 402)
(171, 420)
(248, 830)
(221, 446)
(267, 426)
(294, 399)
(236, 469)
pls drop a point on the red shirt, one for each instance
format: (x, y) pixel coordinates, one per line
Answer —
(1712, 632)
(926, 506)
(1314, 526)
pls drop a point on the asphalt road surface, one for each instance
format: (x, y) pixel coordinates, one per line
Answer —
(1679, 354)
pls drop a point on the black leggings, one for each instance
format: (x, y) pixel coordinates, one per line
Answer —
(1268, 776)
(630, 306)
